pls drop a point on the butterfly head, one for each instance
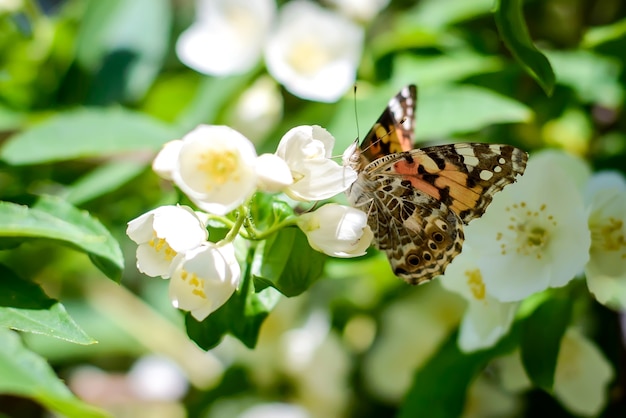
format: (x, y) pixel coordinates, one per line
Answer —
(352, 156)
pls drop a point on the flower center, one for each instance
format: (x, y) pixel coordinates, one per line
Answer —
(219, 166)
(475, 283)
(163, 248)
(196, 283)
(307, 56)
(609, 236)
(529, 228)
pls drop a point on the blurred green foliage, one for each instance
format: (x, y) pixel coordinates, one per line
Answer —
(90, 90)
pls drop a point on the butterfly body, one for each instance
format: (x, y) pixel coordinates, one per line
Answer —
(418, 200)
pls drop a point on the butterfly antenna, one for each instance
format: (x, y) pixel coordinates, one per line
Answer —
(356, 115)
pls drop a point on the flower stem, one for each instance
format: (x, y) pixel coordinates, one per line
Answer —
(242, 214)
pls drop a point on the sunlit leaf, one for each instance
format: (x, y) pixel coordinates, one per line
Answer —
(86, 133)
(541, 338)
(601, 34)
(103, 179)
(594, 77)
(25, 307)
(55, 219)
(23, 373)
(287, 262)
(514, 33)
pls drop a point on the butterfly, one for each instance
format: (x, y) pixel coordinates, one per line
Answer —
(417, 200)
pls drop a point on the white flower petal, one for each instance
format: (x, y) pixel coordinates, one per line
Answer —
(273, 173)
(534, 235)
(161, 234)
(216, 168)
(582, 375)
(203, 279)
(164, 163)
(486, 320)
(339, 231)
(314, 52)
(306, 150)
(606, 269)
(228, 36)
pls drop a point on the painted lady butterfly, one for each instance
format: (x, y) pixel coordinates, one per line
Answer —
(417, 200)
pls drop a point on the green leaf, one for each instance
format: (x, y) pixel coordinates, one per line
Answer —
(23, 373)
(242, 316)
(441, 13)
(287, 262)
(514, 33)
(595, 78)
(53, 218)
(103, 179)
(125, 56)
(86, 133)
(442, 111)
(449, 110)
(429, 396)
(601, 34)
(541, 336)
(25, 307)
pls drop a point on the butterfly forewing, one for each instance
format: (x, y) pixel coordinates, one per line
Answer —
(417, 200)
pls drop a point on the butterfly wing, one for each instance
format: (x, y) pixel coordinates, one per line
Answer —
(422, 198)
(393, 131)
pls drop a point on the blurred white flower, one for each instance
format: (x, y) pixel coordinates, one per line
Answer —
(227, 37)
(486, 399)
(9, 6)
(165, 162)
(157, 378)
(258, 110)
(486, 319)
(273, 173)
(336, 230)
(314, 52)
(606, 269)
(534, 235)
(361, 10)
(161, 234)
(275, 410)
(582, 375)
(411, 331)
(204, 278)
(214, 167)
(581, 378)
(307, 151)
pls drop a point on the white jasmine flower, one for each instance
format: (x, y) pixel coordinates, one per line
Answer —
(314, 52)
(534, 235)
(161, 234)
(336, 230)
(215, 168)
(204, 278)
(361, 10)
(486, 319)
(273, 173)
(606, 269)
(275, 410)
(401, 346)
(582, 375)
(307, 151)
(165, 162)
(258, 110)
(486, 399)
(227, 37)
(157, 378)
